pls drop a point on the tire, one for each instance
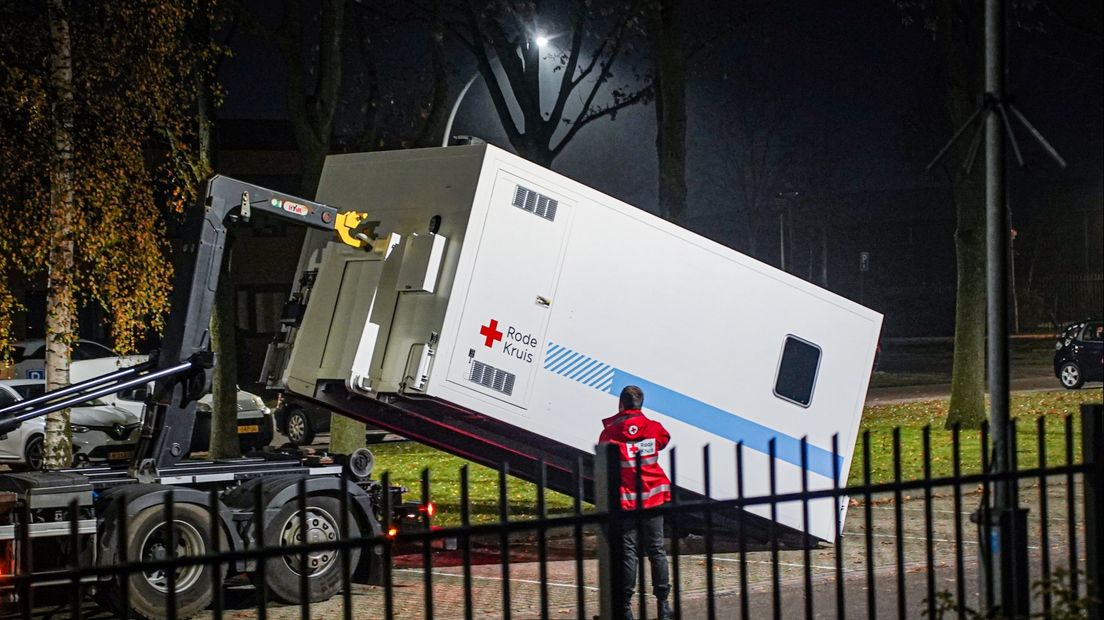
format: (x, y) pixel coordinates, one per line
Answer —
(148, 588)
(323, 523)
(34, 456)
(1070, 376)
(298, 427)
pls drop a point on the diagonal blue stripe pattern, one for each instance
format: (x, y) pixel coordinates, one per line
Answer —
(556, 357)
(564, 363)
(591, 363)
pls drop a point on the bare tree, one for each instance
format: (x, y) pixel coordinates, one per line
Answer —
(761, 149)
(600, 42)
(670, 106)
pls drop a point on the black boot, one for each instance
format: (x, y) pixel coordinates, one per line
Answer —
(665, 612)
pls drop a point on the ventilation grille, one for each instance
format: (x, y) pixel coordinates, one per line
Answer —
(489, 376)
(537, 204)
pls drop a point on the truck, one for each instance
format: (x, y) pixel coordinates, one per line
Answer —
(493, 309)
(509, 305)
(257, 500)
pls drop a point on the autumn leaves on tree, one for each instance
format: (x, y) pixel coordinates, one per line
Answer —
(100, 147)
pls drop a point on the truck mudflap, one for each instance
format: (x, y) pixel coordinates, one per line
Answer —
(490, 442)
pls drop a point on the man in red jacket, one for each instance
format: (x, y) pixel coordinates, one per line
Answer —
(636, 435)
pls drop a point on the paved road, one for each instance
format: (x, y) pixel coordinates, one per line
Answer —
(915, 393)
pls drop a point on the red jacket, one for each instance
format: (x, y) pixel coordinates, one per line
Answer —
(632, 432)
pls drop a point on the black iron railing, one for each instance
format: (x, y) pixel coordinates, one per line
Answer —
(715, 572)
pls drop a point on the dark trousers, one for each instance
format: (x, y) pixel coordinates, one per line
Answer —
(653, 548)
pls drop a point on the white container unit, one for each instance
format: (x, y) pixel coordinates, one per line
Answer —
(539, 298)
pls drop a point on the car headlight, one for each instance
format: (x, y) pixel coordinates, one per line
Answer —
(77, 428)
(200, 406)
(260, 403)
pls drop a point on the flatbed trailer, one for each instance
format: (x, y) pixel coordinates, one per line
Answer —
(256, 500)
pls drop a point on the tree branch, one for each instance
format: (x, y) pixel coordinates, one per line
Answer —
(643, 94)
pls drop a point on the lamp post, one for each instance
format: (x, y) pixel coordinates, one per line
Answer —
(541, 42)
(783, 207)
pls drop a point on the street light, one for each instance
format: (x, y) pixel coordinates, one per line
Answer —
(541, 41)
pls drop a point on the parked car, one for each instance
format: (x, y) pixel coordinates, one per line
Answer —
(1079, 354)
(101, 433)
(90, 359)
(29, 358)
(255, 427)
(301, 421)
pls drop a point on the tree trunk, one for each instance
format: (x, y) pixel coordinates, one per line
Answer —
(670, 105)
(224, 391)
(961, 48)
(60, 303)
(437, 114)
(224, 416)
(312, 119)
(967, 406)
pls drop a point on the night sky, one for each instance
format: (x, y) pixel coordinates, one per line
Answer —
(855, 96)
(851, 69)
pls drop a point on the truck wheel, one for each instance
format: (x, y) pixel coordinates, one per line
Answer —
(324, 567)
(299, 429)
(149, 539)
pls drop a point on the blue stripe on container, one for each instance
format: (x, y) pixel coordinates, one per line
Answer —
(573, 366)
(598, 369)
(724, 424)
(558, 366)
(602, 377)
(556, 357)
(585, 368)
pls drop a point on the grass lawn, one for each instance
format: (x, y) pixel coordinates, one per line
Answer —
(406, 460)
(1026, 408)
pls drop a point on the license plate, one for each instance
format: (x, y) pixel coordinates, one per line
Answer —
(119, 456)
(251, 428)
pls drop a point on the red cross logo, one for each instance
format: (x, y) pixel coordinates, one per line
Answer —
(491, 333)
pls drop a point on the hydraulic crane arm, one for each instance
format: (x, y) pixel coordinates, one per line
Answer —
(170, 413)
(182, 368)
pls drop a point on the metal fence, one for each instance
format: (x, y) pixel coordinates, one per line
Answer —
(924, 558)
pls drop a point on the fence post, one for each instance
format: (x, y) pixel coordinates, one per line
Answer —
(611, 552)
(1092, 445)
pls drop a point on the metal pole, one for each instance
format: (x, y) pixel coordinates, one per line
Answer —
(495, 64)
(1012, 521)
(1092, 454)
(782, 237)
(611, 553)
(823, 256)
(997, 244)
(455, 107)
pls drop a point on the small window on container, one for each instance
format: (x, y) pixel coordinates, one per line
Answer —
(797, 371)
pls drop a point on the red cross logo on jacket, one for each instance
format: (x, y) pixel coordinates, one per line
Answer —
(635, 434)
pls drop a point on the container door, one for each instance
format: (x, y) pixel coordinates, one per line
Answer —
(512, 290)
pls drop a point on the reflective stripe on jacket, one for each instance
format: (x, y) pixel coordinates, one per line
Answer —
(633, 433)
